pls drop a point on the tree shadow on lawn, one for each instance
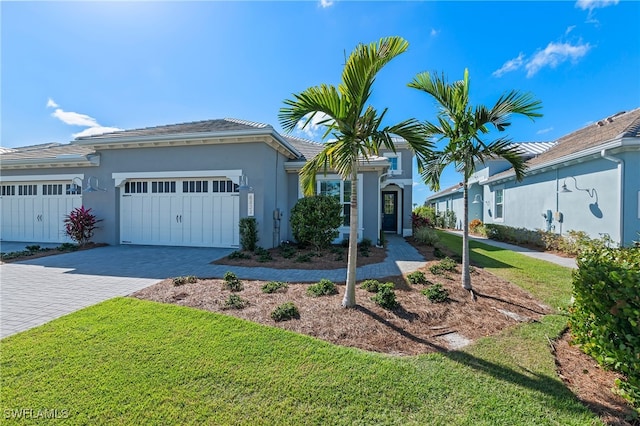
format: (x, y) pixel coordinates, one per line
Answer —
(554, 388)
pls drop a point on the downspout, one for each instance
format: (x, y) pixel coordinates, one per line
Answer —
(380, 203)
(620, 162)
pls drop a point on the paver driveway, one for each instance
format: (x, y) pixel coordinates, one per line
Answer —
(39, 290)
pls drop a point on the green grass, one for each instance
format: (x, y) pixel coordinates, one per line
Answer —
(127, 361)
(546, 281)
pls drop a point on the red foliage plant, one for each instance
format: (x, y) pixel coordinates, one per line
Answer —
(420, 221)
(80, 224)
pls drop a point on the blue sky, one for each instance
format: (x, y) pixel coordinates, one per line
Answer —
(70, 68)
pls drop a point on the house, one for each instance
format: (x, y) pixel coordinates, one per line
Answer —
(588, 180)
(188, 184)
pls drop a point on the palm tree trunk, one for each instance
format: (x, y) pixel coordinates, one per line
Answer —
(349, 300)
(466, 276)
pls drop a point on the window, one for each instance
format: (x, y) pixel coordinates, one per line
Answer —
(163, 187)
(8, 190)
(27, 189)
(73, 189)
(52, 189)
(499, 204)
(195, 186)
(136, 187)
(395, 161)
(224, 186)
(342, 191)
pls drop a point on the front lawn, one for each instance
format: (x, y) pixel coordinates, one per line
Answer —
(128, 361)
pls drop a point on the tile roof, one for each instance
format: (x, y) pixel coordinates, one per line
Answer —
(307, 148)
(614, 127)
(205, 126)
(445, 191)
(45, 152)
(533, 148)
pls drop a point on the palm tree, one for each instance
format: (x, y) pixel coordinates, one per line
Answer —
(462, 126)
(355, 129)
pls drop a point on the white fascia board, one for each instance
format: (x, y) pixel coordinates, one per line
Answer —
(399, 182)
(38, 178)
(79, 161)
(122, 177)
(365, 166)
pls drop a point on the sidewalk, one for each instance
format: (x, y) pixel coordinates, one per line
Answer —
(567, 262)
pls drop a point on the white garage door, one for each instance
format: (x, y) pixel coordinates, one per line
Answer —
(35, 211)
(180, 212)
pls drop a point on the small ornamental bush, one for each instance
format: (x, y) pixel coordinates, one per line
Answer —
(438, 253)
(474, 225)
(285, 312)
(417, 277)
(80, 224)
(436, 293)
(324, 287)
(370, 285)
(422, 217)
(239, 255)
(178, 281)
(426, 236)
(448, 264)
(231, 282)
(605, 316)
(287, 251)
(315, 221)
(273, 286)
(248, 233)
(386, 296)
(263, 255)
(235, 302)
(304, 258)
(33, 248)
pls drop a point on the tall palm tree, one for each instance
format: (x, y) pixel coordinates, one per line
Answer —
(355, 128)
(463, 125)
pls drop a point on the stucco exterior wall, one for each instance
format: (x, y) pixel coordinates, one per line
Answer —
(631, 226)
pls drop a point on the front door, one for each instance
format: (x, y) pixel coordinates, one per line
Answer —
(390, 211)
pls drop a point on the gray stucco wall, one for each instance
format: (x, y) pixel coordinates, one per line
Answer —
(631, 195)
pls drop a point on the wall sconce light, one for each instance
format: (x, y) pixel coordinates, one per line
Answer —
(91, 187)
(477, 199)
(593, 207)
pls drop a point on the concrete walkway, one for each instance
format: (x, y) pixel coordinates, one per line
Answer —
(568, 262)
(37, 291)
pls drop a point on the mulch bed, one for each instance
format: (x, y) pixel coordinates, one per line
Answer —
(51, 252)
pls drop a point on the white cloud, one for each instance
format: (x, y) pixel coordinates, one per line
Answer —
(555, 54)
(594, 4)
(97, 130)
(543, 131)
(326, 3)
(313, 129)
(81, 120)
(569, 29)
(510, 65)
(434, 32)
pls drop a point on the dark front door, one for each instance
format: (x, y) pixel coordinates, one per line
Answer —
(390, 211)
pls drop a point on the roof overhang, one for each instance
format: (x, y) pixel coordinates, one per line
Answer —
(373, 164)
(65, 161)
(268, 136)
(617, 145)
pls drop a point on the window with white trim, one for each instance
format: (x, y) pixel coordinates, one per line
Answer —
(8, 190)
(499, 204)
(395, 161)
(342, 191)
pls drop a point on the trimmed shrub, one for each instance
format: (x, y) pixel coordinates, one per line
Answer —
(239, 255)
(80, 224)
(370, 285)
(605, 316)
(285, 312)
(235, 302)
(315, 221)
(509, 234)
(386, 296)
(417, 277)
(426, 236)
(248, 233)
(436, 293)
(324, 287)
(231, 282)
(273, 286)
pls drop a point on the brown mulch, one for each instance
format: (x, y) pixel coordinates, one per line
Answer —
(417, 327)
(322, 260)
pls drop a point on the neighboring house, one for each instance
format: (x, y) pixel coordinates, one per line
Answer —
(188, 185)
(588, 180)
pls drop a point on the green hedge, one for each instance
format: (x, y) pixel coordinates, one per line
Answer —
(605, 318)
(509, 234)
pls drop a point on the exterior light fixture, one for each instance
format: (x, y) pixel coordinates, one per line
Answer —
(477, 199)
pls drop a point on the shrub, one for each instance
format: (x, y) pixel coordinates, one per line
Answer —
(417, 277)
(285, 312)
(239, 255)
(386, 296)
(33, 248)
(366, 243)
(304, 258)
(67, 247)
(263, 255)
(178, 281)
(248, 233)
(324, 287)
(191, 279)
(231, 282)
(370, 285)
(474, 225)
(273, 286)
(436, 293)
(449, 219)
(287, 250)
(438, 253)
(509, 234)
(235, 302)
(426, 236)
(422, 217)
(448, 264)
(339, 256)
(605, 316)
(80, 224)
(315, 221)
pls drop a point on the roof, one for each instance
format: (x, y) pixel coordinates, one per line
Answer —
(445, 191)
(307, 148)
(45, 151)
(533, 148)
(609, 129)
(204, 126)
